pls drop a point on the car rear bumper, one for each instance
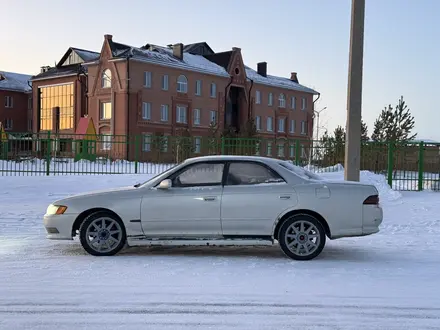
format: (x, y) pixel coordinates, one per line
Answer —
(372, 217)
(59, 227)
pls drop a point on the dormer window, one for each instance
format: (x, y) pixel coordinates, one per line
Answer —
(182, 84)
(106, 79)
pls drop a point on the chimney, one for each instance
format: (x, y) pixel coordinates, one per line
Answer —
(108, 37)
(178, 51)
(44, 69)
(236, 49)
(294, 77)
(262, 69)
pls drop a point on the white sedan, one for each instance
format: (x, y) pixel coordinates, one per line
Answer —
(220, 200)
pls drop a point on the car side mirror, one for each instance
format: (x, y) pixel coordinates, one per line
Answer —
(165, 184)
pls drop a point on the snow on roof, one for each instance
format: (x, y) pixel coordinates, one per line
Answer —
(12, 81)
(277, 81)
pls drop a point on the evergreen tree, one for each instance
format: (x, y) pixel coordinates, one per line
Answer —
(364, 132)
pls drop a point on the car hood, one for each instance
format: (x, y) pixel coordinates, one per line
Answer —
(97, 192)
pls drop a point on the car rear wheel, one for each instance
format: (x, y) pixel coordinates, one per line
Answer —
(102, 234)
(301, 237)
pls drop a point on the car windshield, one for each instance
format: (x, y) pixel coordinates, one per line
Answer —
(303, 173)
(156, 176)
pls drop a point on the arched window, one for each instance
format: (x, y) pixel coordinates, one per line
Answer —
(282, 101)
(182, 84)
(106, 79)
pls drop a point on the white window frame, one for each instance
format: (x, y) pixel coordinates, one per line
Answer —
(165, 82)
(282, 124)
(106, 143)
(303, 127)
(196, 116)
(146, 142)
(280, 148)
(269, 149)
(303, 152)
(148, 77)
(103, 111)
(257, 97)
(303, 103)
(213, 90)
(213, 117)
(181, 109)
(270, 100)
(282, 101)
(292, 150)
(9, 101)
(292, 126)
(197, 144)
(293, 102)
(198, 87)
(182, 84)
(164, 112)
(106, 79)
(269, 128)
(258, 123)
(146, 110)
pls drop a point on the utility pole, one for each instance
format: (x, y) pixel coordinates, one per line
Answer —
(354, 92)
(317, 113)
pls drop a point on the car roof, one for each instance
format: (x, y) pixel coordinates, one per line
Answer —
(266, 160)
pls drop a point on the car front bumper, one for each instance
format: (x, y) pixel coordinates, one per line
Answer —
(59, 227)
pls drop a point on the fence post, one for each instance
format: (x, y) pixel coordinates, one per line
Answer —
(48, 153)
(390, 162)
(421, 160)
(136, 153)
(297, 152)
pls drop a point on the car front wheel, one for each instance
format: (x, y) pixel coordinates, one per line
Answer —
(301, 237)
(102, 234)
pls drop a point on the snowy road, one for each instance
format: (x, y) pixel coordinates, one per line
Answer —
(385, 281)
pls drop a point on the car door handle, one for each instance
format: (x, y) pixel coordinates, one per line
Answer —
(209, 198)
(284, 197)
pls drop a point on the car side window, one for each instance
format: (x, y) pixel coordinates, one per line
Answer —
(202, 174)
(250, 173)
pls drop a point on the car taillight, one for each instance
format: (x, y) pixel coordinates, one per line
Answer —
(372, 200)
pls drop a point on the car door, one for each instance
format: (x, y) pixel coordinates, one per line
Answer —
(253, 196)
(190, 207)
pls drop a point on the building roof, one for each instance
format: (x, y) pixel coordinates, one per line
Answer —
(221, 59)
(58, 71)
(16, 82)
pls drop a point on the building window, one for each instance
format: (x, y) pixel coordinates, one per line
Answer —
(270, 100)
(282, 101)
(281, 124)
(106, 79)
(106, 142)
(213, 117)
(105, 111)
(9, 102)
(269, 149)
(292, 151)
(213, 90)
(293, 102)
(281, 149)
(257, 97)
(146, 142)
(182, 84)
(196, 118)
(303, 151)
(197, 144)
(147, 79)
(303, 127)
(165, 82)
(303, 103)
(269, 124)
(164, 112)
(198, 87)
(56, 96)
(258, 123)
(146, 110)
(292, 126)
(9, 124)
(30, 125)
(181, 114)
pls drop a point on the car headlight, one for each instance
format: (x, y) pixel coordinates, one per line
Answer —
(55, 209)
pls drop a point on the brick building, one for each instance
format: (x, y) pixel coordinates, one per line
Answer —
(165, 90)
(15, 102)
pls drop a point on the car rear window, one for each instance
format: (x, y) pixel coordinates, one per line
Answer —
(303, 173)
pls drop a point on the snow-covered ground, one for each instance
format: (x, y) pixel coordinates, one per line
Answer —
(385, 281)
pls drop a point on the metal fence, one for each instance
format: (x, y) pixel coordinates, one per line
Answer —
(410, 166)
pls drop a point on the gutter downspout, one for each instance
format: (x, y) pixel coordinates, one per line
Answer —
(249, 105)
(226, 100)
(128, 106)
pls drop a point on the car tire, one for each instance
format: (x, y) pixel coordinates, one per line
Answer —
(102, 234)
(302, 237)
